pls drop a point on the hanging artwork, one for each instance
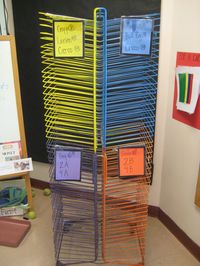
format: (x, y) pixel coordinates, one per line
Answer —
(188, 81)
(186, 106)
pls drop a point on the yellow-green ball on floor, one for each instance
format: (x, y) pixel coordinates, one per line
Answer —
(47, 192)
(31, 215)
(33, 193)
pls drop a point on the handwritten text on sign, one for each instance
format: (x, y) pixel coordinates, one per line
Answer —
(136, 36)
(132, 161)
(68, 39)
(68, 165)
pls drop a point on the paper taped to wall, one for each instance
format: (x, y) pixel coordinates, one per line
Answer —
(188, 88)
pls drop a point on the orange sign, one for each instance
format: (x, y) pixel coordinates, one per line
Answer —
(131, 161)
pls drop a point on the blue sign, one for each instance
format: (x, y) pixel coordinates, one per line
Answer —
(136, 36)
(68, 165)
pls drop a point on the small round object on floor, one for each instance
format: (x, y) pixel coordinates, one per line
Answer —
(31, 215)
(47, 192)
(33, 193)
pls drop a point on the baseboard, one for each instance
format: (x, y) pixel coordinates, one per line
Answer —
(180, 234)
(153, 211)
(39, 183)
(191, 246)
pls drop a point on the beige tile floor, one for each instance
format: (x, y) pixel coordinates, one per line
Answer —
(162, 248)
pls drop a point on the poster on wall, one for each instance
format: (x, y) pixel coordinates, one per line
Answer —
(186, 105)
(68, 38)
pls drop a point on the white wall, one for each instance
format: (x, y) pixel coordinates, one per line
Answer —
(41, 171)
(181, 147)
(162, 96)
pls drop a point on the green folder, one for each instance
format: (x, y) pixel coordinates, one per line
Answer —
(182, 91)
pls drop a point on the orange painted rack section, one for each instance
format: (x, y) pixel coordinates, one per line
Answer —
(124, 211)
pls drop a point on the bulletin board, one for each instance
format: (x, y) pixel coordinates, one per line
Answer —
(12, 134)
(188, 60)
